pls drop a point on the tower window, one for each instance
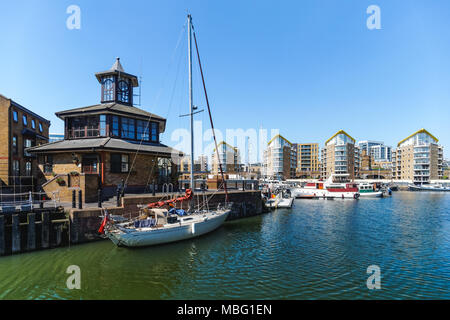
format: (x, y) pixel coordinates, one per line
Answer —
(25, 120)
(143, 130)
(115, 126)
(40, 127)
(33, 124)
(102, 125)
(108, 89)
(154, 131)
(128, 128)
(15, 116)
(92, 126)
(123, 92)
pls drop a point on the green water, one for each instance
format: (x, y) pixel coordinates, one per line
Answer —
(318, 250)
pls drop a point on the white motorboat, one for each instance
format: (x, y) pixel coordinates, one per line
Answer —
(366, 190)
(285, 203)
(327, 190)
(430, 187)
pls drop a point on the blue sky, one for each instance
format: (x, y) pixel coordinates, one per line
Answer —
(307, 68)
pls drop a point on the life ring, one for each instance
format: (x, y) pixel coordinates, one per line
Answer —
(356, 196)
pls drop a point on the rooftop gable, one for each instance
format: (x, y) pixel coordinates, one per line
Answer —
(340, 132)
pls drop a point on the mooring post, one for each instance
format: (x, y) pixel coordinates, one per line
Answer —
(154, 187)
(74, 197)
(15, 245)
(118, 198)
(2, 235)
(80, 199)
(41, 199)
(31, 234)
(243, 185)
(45, 230)
(58, 234)
(99, 195)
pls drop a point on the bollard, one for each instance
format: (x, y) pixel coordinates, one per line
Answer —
(2, 235)
(45, 230)
(80, 199)
(118, 197)
(243, 185)
(74, 205)
(99, 195)
(154, 187)
(31, 234)
(41, 202)
(58, 228)
(15, 246)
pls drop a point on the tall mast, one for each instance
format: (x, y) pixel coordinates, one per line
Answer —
(191, 106)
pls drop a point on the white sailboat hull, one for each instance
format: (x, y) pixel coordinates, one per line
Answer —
(169, 233)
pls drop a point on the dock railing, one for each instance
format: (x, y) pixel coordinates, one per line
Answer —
(27, 201)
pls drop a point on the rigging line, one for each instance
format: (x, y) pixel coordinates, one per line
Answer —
(210, 117)
(170, 102)
(156, 99)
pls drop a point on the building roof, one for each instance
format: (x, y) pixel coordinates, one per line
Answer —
(117, 69)
(418, 131)
(113, 107)
(96, 144)
(227, 144)
(15, 104)
(340, 132)
(280, 136)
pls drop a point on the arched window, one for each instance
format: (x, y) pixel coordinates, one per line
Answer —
(108, 88)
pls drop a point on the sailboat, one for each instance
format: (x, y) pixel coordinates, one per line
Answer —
(157, 225)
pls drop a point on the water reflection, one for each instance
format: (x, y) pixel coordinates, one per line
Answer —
(318, 250)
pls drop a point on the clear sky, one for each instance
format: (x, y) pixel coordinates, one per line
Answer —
(308, 68)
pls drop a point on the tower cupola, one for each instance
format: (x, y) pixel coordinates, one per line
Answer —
(117, 85)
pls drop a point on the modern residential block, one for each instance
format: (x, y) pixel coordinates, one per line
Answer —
(418, 158)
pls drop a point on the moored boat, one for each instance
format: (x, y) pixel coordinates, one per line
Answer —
(160, 227)
(367, 190)
(431, 187)
(328, 190)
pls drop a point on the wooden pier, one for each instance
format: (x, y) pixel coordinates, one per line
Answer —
(33, 230)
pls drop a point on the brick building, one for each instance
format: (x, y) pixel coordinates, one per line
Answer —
(107, 143)
(340, 157)
(20, 128)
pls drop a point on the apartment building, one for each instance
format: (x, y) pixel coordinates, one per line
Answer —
(340, 157)
(378, 151)
(418, 158)
(277, 159)
(307, 160)
(229, 158)
(200, 165)
(20, 129)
